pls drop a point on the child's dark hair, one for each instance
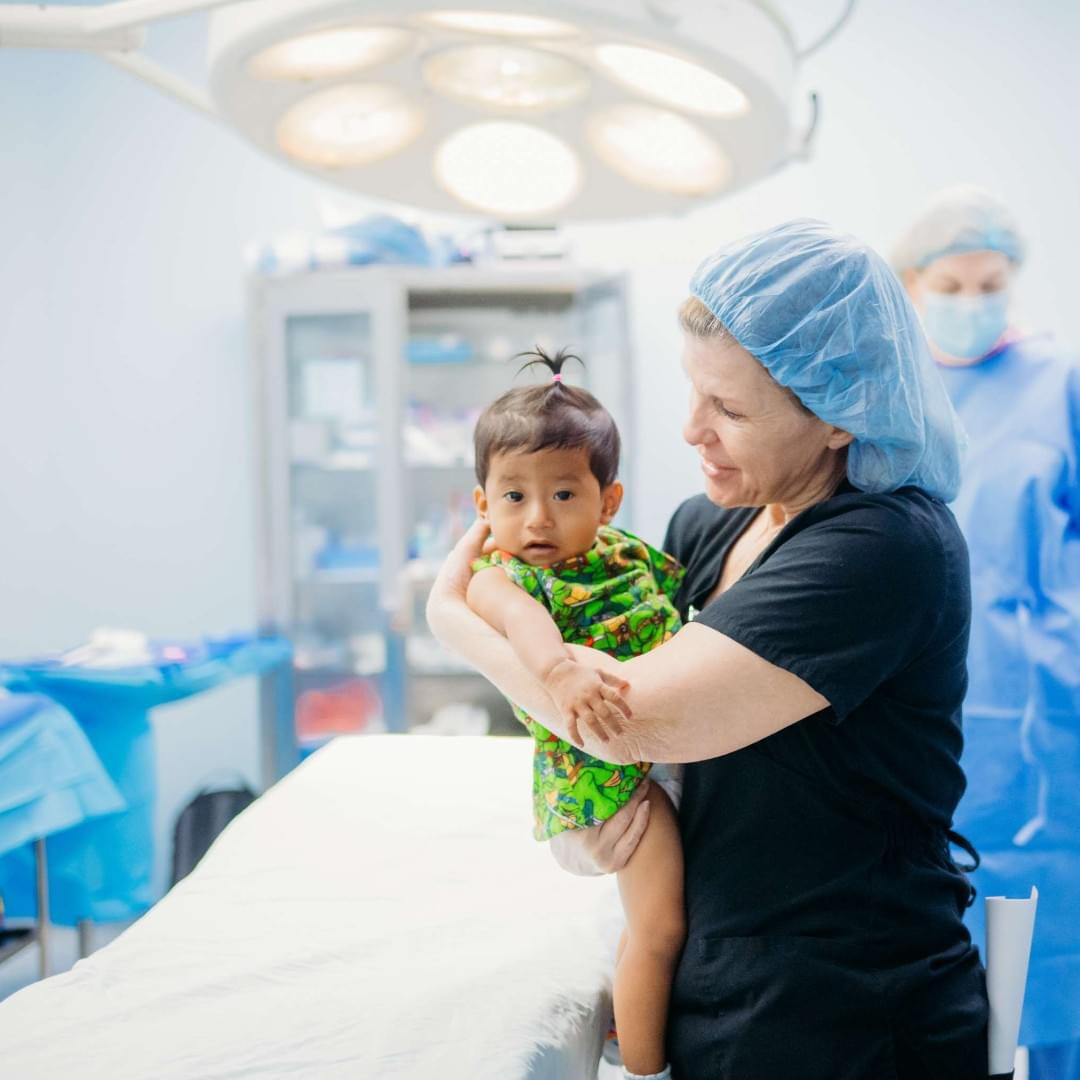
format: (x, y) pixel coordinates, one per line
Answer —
(551, 416)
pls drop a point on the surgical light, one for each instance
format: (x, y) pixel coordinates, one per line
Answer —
(508, 169)
(506, 77)
(671, 81)
(349, 125)
(521, 110)
(329, 53)
(658, 149)
(495, 22)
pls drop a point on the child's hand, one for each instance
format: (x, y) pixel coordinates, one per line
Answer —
(585, 700)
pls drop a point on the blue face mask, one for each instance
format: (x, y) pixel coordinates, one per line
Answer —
(965, 326)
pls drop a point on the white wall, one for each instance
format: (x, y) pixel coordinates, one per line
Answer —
(126, 495)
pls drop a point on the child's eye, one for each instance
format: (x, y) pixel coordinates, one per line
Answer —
(564, 496)
(513, 496)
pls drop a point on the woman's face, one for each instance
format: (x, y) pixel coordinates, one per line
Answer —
(963, 301)
(971, 273)
(757, 444)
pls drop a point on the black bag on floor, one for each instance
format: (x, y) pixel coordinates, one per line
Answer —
(201, 821)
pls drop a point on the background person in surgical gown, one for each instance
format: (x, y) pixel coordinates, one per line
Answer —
(1019, 508)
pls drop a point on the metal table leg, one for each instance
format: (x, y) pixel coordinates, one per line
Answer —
(42, 907)
(85, 944)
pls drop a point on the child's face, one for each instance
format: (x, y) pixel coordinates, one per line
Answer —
(545, 506)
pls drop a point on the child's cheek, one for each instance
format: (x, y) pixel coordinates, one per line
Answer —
(499, 532)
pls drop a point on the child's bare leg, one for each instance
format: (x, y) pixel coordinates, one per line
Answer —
(651, 885)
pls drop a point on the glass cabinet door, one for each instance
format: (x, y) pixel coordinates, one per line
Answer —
(334, 450)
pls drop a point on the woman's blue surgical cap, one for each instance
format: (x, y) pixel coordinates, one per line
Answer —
(959, 219)
(829, 320)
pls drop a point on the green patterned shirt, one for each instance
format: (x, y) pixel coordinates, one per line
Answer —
(617, 596)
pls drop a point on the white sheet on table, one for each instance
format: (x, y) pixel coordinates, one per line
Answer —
(382, 912)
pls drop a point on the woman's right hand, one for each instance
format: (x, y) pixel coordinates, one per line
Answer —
(606, 848)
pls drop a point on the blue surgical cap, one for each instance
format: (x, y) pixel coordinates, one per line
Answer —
(829, 320)
(959, 219)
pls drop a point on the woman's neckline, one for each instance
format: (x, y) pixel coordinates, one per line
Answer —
(843, 488)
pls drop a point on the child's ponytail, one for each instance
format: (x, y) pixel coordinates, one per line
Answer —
(554, 363)
(548, 416)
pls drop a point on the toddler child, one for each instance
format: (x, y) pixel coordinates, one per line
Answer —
(546, 462)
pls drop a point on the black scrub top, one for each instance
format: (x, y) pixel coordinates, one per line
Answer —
(825, 933)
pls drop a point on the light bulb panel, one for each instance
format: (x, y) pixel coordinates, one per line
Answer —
(330, 53)
(506, 77)
(508, 169)
(513, 23)
(659, 149)
(565, 94)
(670, 80)
(350, 125)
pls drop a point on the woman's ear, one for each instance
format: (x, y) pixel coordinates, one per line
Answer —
(838, 439)
(480, 502)
(610, 501)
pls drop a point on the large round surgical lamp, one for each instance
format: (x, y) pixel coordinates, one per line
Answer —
(522, 112)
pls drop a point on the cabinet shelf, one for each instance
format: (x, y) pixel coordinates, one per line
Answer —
(349, 467)
(344, 576)
(330, 466)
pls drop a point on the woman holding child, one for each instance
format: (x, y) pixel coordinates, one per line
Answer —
(814, 691)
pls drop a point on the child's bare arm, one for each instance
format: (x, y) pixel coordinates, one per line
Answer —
(526, 624)
(577, 690)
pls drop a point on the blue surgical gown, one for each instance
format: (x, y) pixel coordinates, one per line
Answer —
(1019, 508)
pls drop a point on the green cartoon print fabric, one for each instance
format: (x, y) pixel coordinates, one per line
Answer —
(617, 596)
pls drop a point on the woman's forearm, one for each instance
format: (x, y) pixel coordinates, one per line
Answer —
(699, 696)
(467, 635)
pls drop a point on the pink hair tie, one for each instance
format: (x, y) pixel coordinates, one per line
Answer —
(557, 377)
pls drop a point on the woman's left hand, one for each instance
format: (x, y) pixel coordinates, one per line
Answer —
(456, 571)
(450, 588)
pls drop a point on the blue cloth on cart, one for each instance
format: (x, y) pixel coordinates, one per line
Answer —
(102, 870)
(1019, 508)
(376, 238)
(50, 777)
